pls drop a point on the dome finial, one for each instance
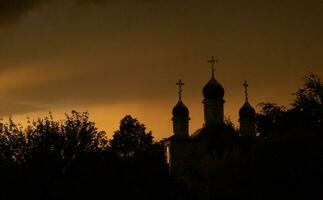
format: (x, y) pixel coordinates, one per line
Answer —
(245, 84)
(212, 61)
(180, 110)
(180, 90)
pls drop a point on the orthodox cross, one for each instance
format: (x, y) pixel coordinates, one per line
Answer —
(246, 89)
(180, 84)
(212, 61)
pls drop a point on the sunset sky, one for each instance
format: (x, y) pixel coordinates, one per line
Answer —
(118, 57)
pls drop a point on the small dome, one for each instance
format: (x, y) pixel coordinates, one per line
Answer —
(180, 110)
(247, 110)
(213, 90)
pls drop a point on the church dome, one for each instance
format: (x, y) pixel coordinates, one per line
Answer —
(213, 90)
(180, 110)
(247, 110)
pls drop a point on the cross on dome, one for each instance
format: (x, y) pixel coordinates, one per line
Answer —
(212, 61)
(180, 90)
(246, 89)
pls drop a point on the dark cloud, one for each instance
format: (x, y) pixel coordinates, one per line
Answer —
(13, 10)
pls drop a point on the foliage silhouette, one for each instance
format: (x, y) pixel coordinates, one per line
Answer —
(288, 160)
(52, 159)
(131, 138)
(144, 173)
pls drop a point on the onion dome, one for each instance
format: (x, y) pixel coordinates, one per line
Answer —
(180, 110)
(213, 90)
(247, 110)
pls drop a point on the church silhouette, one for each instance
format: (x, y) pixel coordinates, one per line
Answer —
(195, 158)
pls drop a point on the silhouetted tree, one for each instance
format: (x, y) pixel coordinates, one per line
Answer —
(63, 141)
(143, 172)
(131, 138)
(81, 136)
(12, 143)
(288, 161)
(268, 118)
(309, 99)
(52, 159)
(36, 161)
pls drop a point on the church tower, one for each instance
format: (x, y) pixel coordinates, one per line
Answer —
(180, 115)
(176, 145)
(247, 116)
(213, 93)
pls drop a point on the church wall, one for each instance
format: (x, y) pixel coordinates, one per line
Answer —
(181, 126)
(179, 157)
(213, 111)
(247, 127)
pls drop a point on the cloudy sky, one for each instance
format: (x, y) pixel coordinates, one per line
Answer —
(117, 57)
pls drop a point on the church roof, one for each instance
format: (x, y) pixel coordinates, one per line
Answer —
(216, 136)
(214, 131)
(197, 133)
(180, 138)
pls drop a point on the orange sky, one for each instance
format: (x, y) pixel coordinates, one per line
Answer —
(124, 56)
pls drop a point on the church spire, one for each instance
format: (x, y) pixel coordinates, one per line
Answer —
(180, 114)
(245, 84)
(213, 93)
(212, 61)
(247, 116)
